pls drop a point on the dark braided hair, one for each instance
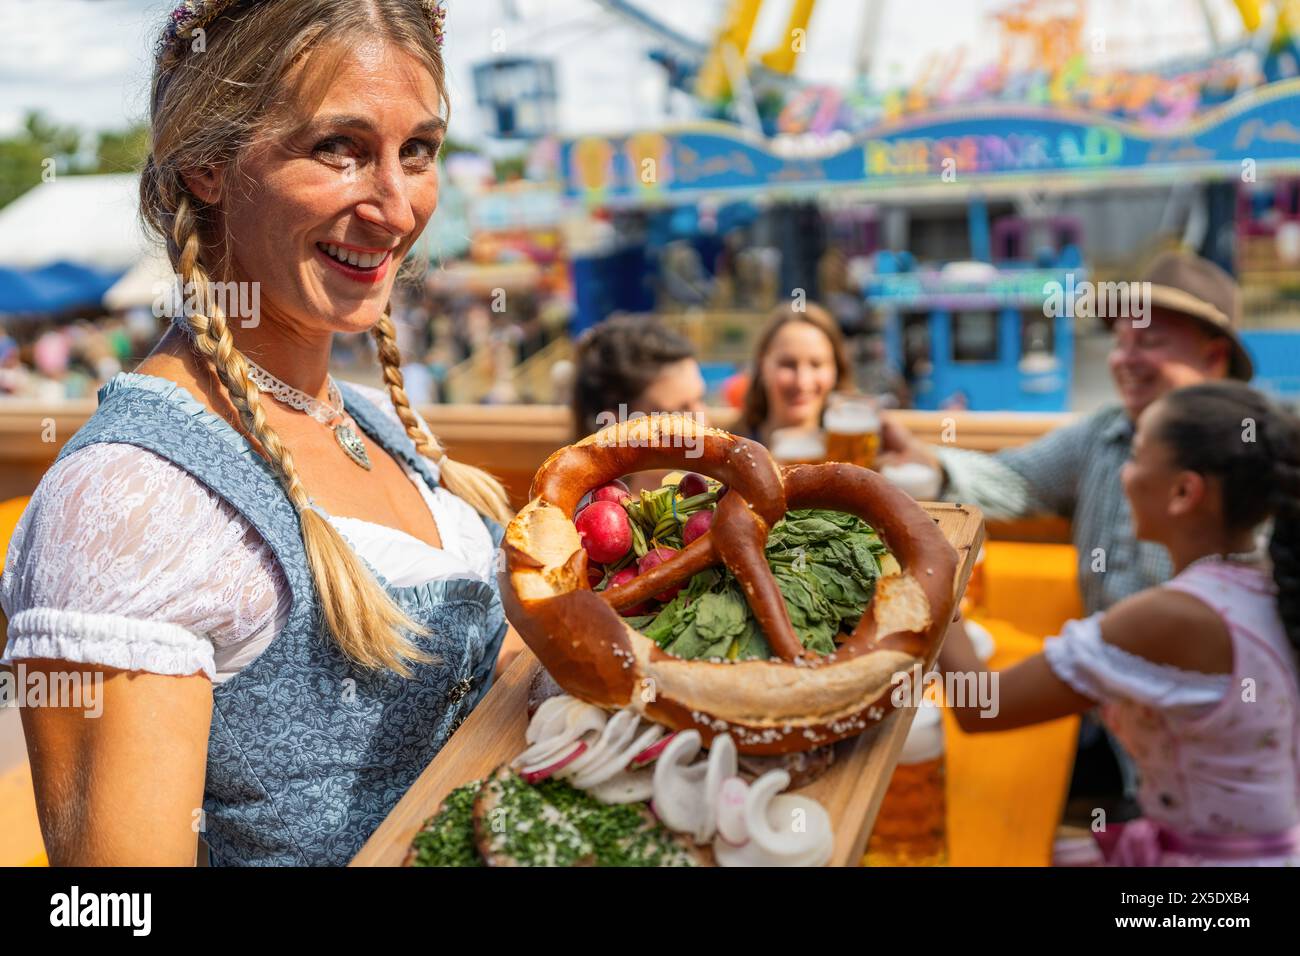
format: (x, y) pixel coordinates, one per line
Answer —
(1252, 445)
(1284, 548)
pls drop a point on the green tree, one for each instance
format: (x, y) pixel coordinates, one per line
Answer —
(124, 151)
(43, 148)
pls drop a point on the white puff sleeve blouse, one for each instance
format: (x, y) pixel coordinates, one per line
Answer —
(123, 559)
(1080, 657)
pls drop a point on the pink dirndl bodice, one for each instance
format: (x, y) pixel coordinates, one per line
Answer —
(1220, 785)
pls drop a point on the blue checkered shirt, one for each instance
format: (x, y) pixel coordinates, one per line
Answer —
(1072, 472)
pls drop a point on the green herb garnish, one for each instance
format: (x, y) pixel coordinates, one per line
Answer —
(549, 824)
(826, 564)
(620, 835)
(528, 829)
(447, 838)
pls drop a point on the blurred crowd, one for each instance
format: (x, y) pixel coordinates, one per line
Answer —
(53, 362)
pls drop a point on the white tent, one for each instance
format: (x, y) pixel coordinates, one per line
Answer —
(142, 283)
(88, 220)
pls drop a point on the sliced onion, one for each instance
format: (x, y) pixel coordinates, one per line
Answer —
(731, 811)
(626, 786)
(817, 837)
(651, 753)
(677, 787)
(617, 732)
(579, 719)
(746, 854)
(749, 824)
(721, 765)
(769, 820)
(616, 761)
(542, 751)
(537, 773)
(549, 718)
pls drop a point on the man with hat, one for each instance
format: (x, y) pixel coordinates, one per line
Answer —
(1182, 332)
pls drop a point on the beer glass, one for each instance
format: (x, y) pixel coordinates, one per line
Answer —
(797, 446)
(911, 827)
(852, 424)
(973, 600)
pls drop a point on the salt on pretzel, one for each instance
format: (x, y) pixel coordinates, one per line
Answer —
(797, 700)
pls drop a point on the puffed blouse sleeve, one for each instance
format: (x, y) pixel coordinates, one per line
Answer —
(1099, 670)
(123, 559)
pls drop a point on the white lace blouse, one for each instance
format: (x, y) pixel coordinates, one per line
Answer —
(123, 559)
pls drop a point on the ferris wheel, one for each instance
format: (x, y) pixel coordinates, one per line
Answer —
(799, 67)
(723, 61)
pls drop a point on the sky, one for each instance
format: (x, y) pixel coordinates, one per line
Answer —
(86, 62)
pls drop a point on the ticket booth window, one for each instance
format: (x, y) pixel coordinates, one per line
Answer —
(916, 345)
(975, 337)
(1037, 334)
(1066, 233)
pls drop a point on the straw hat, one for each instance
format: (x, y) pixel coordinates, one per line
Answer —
(1189, 285)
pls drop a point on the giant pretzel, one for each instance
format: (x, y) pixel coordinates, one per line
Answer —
(802, 700)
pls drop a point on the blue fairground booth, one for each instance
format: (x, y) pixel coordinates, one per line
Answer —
(985, 337)
(980, 339)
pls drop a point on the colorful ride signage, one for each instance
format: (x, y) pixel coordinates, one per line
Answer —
(1251, 134)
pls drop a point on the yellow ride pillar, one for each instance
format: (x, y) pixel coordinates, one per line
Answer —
(783, 57)
(713, 82)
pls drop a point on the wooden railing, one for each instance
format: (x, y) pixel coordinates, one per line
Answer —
(31, 434)
(512, 441)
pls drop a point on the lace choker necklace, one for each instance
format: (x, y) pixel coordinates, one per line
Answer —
(329, 413)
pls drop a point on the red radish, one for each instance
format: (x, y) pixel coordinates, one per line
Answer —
(595, 574)
(652, 559)
(650, 753)
(604, 530)
(692, 485)
(540, 774)
(615, 491)
(696, 526)
(621, 578)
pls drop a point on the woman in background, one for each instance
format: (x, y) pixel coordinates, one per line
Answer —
(636, 364)
(799, 360)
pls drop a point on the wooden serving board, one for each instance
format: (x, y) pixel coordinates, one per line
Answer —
(493, 734)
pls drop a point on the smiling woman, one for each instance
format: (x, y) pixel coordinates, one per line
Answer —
(290, 568)
(799, 359)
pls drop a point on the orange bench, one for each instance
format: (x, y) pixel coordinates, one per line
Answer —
(1006, 790)
(20, 833)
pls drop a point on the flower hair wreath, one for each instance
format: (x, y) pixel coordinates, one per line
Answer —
(191, 15)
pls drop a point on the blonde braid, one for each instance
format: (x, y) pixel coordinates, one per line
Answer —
(474, 485)
(364, 620)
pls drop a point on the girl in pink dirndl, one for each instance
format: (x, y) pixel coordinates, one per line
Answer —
(1197, 678)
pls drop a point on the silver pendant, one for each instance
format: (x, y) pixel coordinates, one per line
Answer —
(351, 443)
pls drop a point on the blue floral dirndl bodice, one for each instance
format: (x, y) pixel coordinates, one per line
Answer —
(308, 753)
